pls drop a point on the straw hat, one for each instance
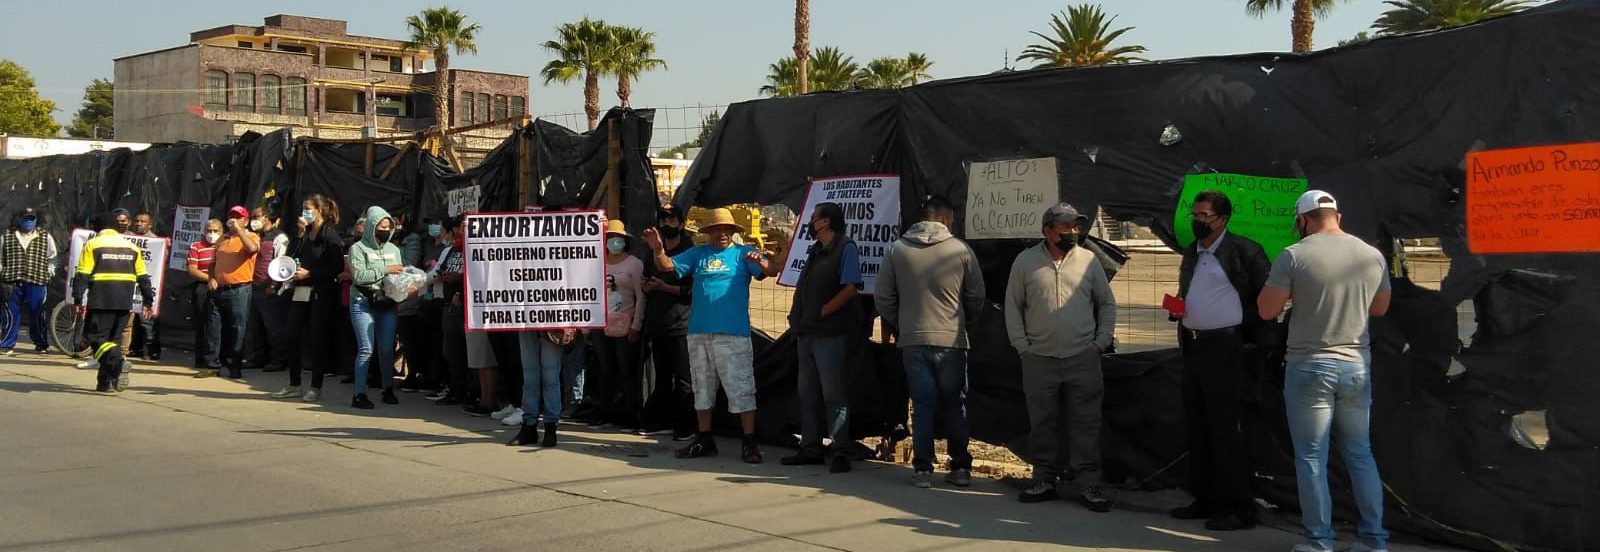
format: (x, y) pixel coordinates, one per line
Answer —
(616, 227)
(721, 216)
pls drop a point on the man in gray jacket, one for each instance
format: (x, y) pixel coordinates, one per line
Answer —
(929, 289)
(1059, 315)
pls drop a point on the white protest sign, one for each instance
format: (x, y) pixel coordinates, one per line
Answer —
(462, 200)
(871, 205)
(1006, 199)
(188, 226)
(152, 248)
(535, 271)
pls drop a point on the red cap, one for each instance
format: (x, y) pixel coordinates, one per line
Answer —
(238, 211)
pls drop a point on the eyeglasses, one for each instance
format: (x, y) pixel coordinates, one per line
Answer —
(1203, 217)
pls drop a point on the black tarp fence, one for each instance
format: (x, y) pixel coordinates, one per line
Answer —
(1384, 126)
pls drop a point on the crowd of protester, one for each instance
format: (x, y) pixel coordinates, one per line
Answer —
(685, 307)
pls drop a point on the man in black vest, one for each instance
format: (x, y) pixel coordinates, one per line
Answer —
(27, 261)
(1219, 279)
(824, 313)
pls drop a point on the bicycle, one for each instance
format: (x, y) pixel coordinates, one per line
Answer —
(66, 330)
(6, 321)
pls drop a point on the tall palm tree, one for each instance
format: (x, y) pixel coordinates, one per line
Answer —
(829, 70)
(583, 48)
(438, 31)
(802, 45)
(1303, 22)
(885, 73)
(635, 54)
(1082, 39)
(1409, 16)
(919, 66)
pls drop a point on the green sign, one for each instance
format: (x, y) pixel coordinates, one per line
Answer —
(1263, 207)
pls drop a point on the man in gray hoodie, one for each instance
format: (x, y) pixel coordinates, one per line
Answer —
(1059, 315)
(929, 289)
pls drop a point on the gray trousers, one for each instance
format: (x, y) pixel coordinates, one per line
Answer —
(824, 391)
(1073, 386)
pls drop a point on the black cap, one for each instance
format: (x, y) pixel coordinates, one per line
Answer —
(670, 211)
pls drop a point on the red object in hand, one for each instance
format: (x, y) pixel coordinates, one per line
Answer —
(1173, 305)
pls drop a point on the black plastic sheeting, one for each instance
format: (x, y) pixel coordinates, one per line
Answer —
(1384, 126)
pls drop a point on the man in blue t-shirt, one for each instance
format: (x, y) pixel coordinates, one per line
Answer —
(719, 326)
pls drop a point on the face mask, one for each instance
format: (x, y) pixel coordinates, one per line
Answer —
(255, 225)
(122, 227)
(308, 215)
(1066, 242)
(213, 237)
(1299, 228)
(433, 230)
(28, 224)
(670, 232)
(383, 235)
(616, 245)
(812, 227)
(1201, 230)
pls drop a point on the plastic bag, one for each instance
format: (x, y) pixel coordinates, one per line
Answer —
(399, 287)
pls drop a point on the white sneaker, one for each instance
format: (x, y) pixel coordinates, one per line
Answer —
(311, 395)
(91, 364)
(1306, 547)
(122, 380)
(514, 420)
(507, 411)
(287, 392)
(1362, 547)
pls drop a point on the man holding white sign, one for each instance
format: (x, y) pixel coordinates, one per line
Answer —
(719, 327)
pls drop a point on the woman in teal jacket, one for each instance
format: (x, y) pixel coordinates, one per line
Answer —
(372, 315)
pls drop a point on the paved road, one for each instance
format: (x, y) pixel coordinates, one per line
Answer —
(184, 464)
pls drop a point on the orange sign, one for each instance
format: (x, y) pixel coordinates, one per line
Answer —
(1542, 199)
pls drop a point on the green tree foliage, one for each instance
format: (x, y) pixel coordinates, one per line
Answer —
(94, 119)
(583, 49)
(828, 70)
(22, 111)
(1081, 37)
(634, 54)
(707, 126)
(1410, 16)
(1302, 22)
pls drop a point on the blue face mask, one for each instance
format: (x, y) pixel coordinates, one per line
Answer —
(308, 216)
(433, 230)
(28, 224)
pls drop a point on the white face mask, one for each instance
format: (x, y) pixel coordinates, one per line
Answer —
(616, 245)
(213, 237)
(255, 225)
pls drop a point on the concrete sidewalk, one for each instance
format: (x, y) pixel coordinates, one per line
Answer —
(177, 463)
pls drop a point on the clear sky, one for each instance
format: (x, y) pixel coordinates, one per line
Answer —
(717, 50)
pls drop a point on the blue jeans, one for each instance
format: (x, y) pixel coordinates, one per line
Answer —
(1323, 394)
(937, 379)
(32, 296)
(541, 378)
(824, 391)
(574, 365)
(226, 317)
(372, 326)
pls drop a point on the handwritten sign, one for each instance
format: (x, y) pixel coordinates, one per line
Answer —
(1007, 199)
(1534, 200)
(536, 271)
(1263, 207)
(153, 249)
(188, 225)
(462, 200)
(871, 205)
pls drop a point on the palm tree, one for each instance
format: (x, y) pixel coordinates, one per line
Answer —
(1410, 16)
(829, 70)
(919, 66)
(583, 48)
(1082, 39)
(634, 55)
(440, 30)
(1302, 24)
(885, 73)
(802, 45)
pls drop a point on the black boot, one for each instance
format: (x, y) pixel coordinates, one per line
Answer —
(549, 436)
(526, 437)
